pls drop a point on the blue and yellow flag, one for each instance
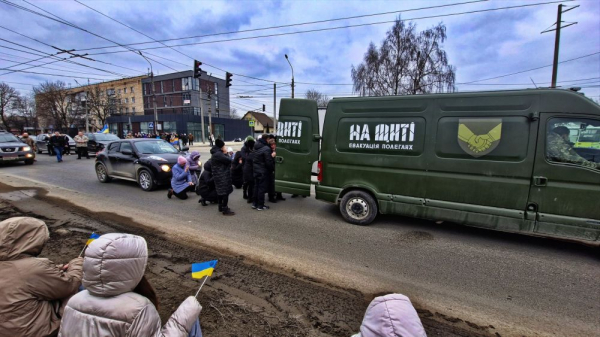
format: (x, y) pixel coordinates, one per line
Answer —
(199, 270)
(93, 237)
(104, 129)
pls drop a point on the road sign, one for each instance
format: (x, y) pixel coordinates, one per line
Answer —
(150, 125)
(251, 123)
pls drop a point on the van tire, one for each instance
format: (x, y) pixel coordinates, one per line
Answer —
(358, 208)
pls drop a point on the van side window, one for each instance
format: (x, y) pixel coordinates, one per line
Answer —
(574, 141)
(502, 138)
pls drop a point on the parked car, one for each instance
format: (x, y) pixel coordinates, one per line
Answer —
(13, 149)
(42, 142)
(98, 141)
(145, 161)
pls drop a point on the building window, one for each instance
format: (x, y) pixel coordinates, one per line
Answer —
(125, 90)
(110, 92)
(132, 99)
(132, 110)
(126, 100)
(185, 83)
(126, 110)
(196, 84)
(119, 91)
(131, 90)
(187, 98)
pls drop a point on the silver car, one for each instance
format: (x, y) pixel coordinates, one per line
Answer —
(12, 149)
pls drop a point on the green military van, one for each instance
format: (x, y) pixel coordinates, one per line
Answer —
(500, 160)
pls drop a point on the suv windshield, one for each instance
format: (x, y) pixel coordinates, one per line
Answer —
(154, 147)
(8, 138)
(104, 136)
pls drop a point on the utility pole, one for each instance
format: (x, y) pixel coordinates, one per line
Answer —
(286, 57)
(87, 109)
(202, 115)
(209, 111)
(559, 26)
(275, 107)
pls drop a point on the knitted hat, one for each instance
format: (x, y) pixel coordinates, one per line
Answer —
(249, 138)
(181, 160)
(219, 143)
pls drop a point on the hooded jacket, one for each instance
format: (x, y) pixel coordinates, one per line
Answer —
(113, 266)
(221, 171)
(391, 316)
(192, 160)
(237, 170)
(263, 163)
(247, 162)
(206, 185)
(32, 290)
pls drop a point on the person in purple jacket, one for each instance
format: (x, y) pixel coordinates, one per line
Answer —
(391, 315)
(181, 181)
(193, 161)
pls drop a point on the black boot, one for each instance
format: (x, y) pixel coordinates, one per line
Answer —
(170, 193)
(280, 196)
(250, 200)
(203, 202)
(245, 194)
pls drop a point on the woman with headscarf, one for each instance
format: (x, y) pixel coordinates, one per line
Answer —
(221, 169)
(118, 300)
(181, 182)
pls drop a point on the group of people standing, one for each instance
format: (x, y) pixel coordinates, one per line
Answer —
(60, 145)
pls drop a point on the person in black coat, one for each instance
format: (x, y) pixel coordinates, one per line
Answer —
(58, 144)
(237, 170)
(221, 169)
(263, 164)
(206, 185)
(247, 162)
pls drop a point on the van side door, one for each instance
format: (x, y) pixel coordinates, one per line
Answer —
(297, 145)
(565, 190)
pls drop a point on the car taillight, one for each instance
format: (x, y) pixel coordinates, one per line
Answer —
(320, 168)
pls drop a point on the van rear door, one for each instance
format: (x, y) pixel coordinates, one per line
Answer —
(297, 145)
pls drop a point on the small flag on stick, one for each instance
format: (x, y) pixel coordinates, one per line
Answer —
(203, 270)
(93, 237)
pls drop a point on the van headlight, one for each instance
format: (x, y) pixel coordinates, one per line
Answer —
(26, 148)
(165, 168)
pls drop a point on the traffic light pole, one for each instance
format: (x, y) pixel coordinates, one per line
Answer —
(275, 108)
(202, 116)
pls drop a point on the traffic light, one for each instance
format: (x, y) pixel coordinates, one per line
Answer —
(228, 79)
(263, 108)
(197, 70)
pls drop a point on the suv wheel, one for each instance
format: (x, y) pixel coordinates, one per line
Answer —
(358, 208)
(146, 180)
(102, 173)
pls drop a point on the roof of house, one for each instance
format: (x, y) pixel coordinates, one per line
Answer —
(262, 118)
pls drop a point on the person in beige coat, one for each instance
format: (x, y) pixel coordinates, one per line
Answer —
(33, 291)
(111, 305)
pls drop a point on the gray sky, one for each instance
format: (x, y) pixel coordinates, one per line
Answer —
(479, 45)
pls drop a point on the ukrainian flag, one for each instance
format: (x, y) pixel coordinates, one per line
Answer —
(199, 270)
(93, 237)
(104, 129)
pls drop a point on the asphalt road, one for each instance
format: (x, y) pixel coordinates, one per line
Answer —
(519, 284)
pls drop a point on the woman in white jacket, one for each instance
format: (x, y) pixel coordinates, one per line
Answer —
(110, 305)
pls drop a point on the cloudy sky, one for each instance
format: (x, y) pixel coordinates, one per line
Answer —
(480, 45)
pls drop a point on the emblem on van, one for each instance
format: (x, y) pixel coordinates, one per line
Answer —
(479, 136)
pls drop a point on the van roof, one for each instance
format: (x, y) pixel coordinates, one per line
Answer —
(555, 100)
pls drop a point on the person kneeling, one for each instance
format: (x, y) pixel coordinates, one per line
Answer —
(182, 181)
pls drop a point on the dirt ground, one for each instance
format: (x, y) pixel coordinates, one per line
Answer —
(242, 298)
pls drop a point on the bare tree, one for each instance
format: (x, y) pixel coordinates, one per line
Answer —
(24, 113)
(55, 104)
(102, 104)
(8, 95)
(317, 96)
(406, 63)
(234, 113)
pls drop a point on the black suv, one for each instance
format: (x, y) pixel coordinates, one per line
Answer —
(146, 161)
(13, 149)
(98, 141)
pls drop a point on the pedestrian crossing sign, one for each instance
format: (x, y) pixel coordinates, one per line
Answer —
(251, 123)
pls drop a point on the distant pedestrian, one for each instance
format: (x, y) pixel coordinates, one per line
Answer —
(210, 140)
(81, 144)
(181, 182)
(191, 139)
(221, 169)
(247, 163)
(263, 163)
(58, 144)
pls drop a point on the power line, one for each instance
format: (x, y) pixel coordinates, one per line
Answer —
(524, 71)
(59, 75)
(50, 68)
(339, 27)
(290, 25)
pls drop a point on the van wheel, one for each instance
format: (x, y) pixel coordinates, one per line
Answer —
(146, 180)
(358, 208)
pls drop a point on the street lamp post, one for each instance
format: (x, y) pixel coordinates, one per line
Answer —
(153, 94)
(286, 57)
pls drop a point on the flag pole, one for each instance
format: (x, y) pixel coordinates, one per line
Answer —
(205, 277)
(85, 246)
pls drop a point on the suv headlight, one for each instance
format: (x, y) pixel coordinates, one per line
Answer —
(165, 168)
(26, 148)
